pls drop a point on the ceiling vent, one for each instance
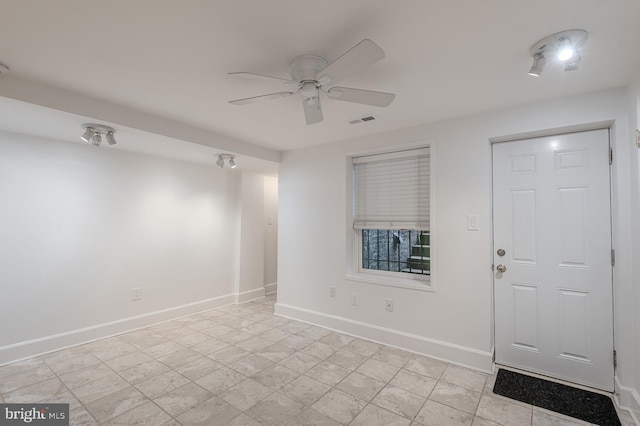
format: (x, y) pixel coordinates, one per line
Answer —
(362, 119)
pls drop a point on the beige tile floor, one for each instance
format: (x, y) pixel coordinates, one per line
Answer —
(240, 365)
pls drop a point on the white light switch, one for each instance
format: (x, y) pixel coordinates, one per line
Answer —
(472, 222)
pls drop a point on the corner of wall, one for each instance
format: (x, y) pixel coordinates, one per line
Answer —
(250, 295)
(627, 399)
(271, 288)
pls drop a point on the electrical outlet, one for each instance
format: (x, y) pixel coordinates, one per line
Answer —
(388, 305)
(332, 292)
(136, 293)
(354, 299)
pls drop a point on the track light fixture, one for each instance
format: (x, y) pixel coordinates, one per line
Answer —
(230, 160)
(93, 134)
(563, 46)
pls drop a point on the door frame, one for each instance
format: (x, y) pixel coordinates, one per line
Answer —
(608, 125)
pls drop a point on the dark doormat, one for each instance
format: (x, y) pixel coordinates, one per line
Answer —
(584, 405)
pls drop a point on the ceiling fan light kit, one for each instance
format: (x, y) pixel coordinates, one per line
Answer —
(563, 46)
(310, 74)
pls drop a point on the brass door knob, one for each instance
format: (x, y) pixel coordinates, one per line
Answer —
(501, 268)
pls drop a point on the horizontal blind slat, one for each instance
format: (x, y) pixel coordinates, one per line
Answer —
(392, 190)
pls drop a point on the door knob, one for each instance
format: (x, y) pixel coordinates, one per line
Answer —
(501, 268)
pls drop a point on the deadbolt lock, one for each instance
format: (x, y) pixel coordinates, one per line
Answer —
(501, 252)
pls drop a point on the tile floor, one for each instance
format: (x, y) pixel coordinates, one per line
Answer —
(241, 365)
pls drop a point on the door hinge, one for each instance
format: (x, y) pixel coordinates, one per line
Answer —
(615, 359)
(613, 257)
(610, 155)
(638, 138)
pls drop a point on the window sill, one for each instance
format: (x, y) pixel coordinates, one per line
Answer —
(388, 281)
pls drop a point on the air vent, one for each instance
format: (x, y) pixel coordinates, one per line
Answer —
(362, 119)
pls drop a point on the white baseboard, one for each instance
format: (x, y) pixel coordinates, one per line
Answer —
(43, 345)
(628, 399)
(449, 352)
(271, 288)
(249, 295)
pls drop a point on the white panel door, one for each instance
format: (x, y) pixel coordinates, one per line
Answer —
(552, 218)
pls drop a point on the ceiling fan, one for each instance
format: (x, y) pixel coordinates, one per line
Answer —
(311, 75)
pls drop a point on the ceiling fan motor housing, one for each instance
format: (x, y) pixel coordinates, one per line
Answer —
(306, 67)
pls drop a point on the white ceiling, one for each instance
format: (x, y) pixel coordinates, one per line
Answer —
(170, 59)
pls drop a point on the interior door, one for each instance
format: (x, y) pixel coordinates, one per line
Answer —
(552, 258)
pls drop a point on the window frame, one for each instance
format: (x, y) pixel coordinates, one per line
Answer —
(354, 269)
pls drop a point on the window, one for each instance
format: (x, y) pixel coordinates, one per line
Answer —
(391, 206)
(397, 250)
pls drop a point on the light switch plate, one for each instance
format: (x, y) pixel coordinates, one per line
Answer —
(472, 222)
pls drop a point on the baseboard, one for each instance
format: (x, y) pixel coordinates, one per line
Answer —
(249, 295)
(449, 352)
(628, 399)
(43, 345)
(271, 288)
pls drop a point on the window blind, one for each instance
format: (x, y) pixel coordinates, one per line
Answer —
(392, 191)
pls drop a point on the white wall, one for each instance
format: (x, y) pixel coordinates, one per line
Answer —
(250, 251)
(81, 226)
(270, 233)
(630, 383)
(455, 321)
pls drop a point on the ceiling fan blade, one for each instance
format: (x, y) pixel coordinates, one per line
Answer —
(261, 77)
(312, 110)
(261, 98)
(359, 56)
(367, 97)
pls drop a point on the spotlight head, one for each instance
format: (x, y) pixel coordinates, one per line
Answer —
(573, 63)
(88, 134)
(110, 138)
(220, 162)
(565, 49)
(539, 62)
(97, 139)
(232, 163)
